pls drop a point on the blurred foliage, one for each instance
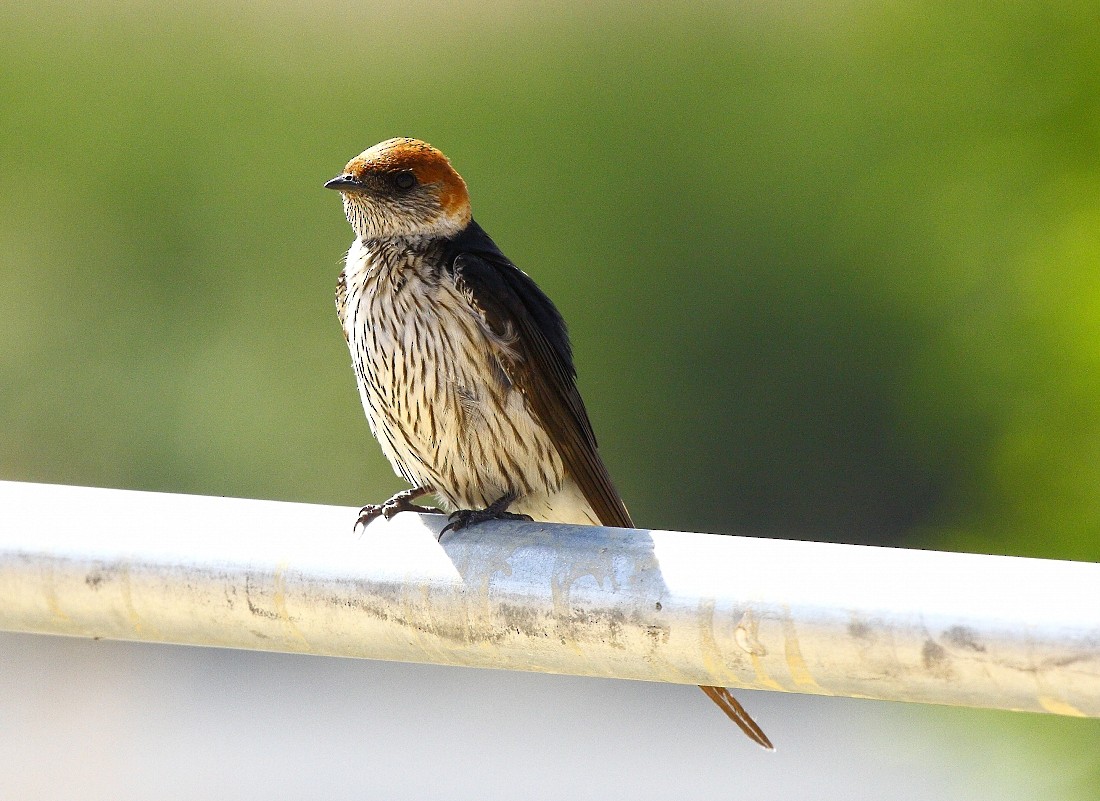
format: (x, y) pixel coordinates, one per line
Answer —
(832, 270)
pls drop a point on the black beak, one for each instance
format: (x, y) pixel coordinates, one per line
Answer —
(343, 182)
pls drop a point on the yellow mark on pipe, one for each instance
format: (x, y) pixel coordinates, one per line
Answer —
(1057, 706)
(278, 599)
(795, 663)
(49, 590)
(140, 627)
(764, 681)
(708, 646)
(745, 636)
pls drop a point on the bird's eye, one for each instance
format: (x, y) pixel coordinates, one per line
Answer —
(404, 180)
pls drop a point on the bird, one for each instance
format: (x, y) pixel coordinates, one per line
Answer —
(464, 365)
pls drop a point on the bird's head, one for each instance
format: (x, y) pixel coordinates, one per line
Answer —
(403, 188)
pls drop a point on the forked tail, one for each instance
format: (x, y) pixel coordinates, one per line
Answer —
(728, 704)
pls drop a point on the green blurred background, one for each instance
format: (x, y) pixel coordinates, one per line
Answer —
(832, 270)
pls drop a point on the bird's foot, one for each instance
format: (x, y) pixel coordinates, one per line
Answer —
(497, 510)
(401, 502)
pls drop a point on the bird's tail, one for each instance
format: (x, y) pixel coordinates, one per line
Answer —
(612, 512)
(728, 704)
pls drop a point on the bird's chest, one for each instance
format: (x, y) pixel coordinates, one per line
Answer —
(436, 384)
(428, 368)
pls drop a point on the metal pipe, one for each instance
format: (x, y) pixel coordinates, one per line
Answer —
(902, 625)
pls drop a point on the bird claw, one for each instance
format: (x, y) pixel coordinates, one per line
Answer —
(367, 514)
(401, 502)
(464, 518)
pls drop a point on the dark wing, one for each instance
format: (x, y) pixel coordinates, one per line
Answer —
(510, 300)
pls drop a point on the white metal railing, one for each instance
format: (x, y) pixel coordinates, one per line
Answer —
(905, 625)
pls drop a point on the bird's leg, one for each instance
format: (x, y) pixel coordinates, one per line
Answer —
(401, 502)
(497, 510)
